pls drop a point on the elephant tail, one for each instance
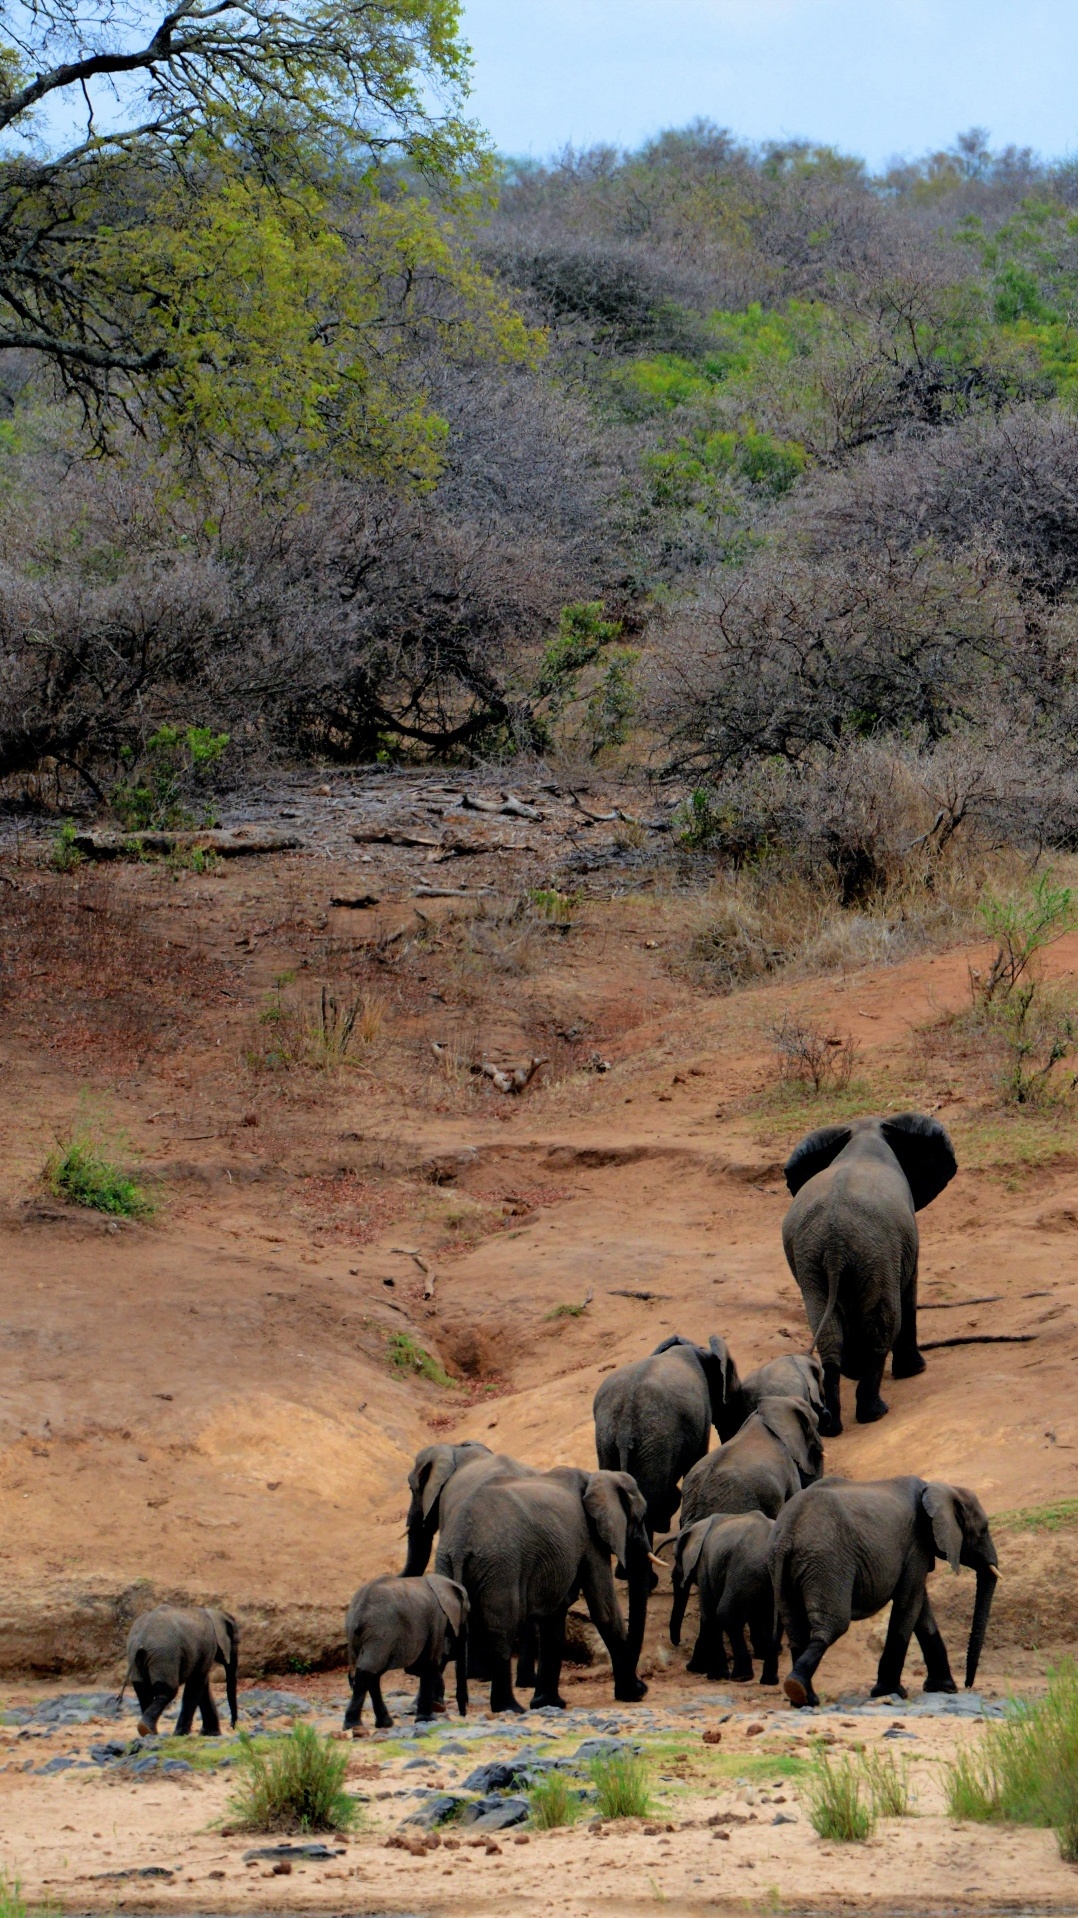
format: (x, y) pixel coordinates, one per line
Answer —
(136, 1663)
(833, 1262)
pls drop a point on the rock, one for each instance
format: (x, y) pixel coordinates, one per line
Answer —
(494, 1777)
(784, 1818)
(312, 1850)
(59, 1763)
(494, 1813)
(439, 1808)
(603, 1748)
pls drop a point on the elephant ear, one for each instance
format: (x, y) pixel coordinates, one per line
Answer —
(941, 1504)
(814, 1154)
(793, 1423)
(669, 1344)
(608, 1499)
(690, 1544)
(924, 1151)
(452, 1598)
(224, 1631)
(810, 1366)
(433, 1468)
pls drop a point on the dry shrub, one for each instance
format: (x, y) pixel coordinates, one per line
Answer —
(79, 964)
(813, 1058)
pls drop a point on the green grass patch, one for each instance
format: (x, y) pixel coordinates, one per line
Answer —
(80, 1175)
(1026, 1771)
(888, 1780)
(405, 1354)
(554, 1801)
(567, 1312)
(621, 1785)
(838, 1800)
(297, 1785)
(1058, 1517)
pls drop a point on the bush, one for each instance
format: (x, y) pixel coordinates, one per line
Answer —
(65, 855)
(80, 1175)
(1026, 1772)
(811, 1058)
(621, 1786)
(405, 1354)
(295, 1785)
(838, 1800)
(553, 1802)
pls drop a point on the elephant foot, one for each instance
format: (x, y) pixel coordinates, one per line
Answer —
(511, 1705)
(547, 1701)
(768, 1676)
(830, 1424)
(798, 1692)
(384, 1724)
(145, 1729)
(888, 1691)
(940, 1685)
(871, 1409)
(717, 1675)
(630, 1691)
(742, 1678)
(696, 1665)
(908, 1366)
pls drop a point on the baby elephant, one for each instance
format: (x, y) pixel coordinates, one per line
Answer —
(728, 1559)
(411, 1624)
(172, 1646)
(776, 1452)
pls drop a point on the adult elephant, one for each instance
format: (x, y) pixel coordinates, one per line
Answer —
(524, 1549)
(842, 1550)
(851, 1240)
(653, 1419)
(431, 1472)
(177, 1645)
(776, 1452)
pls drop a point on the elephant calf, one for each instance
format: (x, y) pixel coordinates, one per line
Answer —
(796, 1376)
(728, 1559)
(776, 1452)
(409, 1624)
(843, 1550)
(172, 1646)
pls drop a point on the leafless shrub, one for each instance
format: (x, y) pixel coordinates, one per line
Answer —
(810, 1057)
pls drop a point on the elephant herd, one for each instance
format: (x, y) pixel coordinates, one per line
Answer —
(773, 1545)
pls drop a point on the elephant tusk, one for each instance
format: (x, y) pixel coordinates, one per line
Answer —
(660, 1562)
(995, 1571)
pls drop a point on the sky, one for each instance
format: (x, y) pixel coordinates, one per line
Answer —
(877, 78)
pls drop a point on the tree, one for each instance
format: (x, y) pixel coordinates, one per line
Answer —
(257, 227)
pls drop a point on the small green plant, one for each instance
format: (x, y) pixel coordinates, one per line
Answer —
(339, 1025)
(553, 1801)
(888, 1778)
(621, 1786)
(1056, 1517)
(405, 1354)
(838, 1800)
(12, 1902)
(79, 1173)
(582, 635)
(1022, 925)
(613, 701)
(553, 905)
(65, 855)
(197, 859)
(568, 1311)
(297, 1785)
(173, 760)
(1027, 1769)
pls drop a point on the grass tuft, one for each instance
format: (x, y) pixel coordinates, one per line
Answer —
(553, 1802)
(12, 1902)
(298, 1785)
(1026, 1772)
(405, 1354)
(621, 1786)
(838, 1800)
(888, 1780)
(82, 1176)
(1056, 1517)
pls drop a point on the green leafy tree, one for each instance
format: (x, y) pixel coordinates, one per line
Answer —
(258, 224)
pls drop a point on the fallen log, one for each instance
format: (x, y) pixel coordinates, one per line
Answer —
(356, 902)
(940, 1305)
(227, 843)
(979, 1338)
(394, 836)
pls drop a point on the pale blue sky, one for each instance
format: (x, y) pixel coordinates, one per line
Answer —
(874, 77)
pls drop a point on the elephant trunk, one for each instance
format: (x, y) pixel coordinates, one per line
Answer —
(638, 1572)
(230, 1682)
(682, 1587)
(420, 1539)
(986, 1591)
(462, 1669)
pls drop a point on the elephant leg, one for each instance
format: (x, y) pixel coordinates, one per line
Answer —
(831, 1415)
(159, 1699)
(426, 1702)
(527, 1656)
(812, 1629)
(211, 1723)
(769, 1674)
(354, 1709)
(702, 1652)
(798, 1684)
(551, 1647)
(189, 1703)
(870, 1406)
(741, 1670)
(374, 1686)
(502, 1698)
(934, 1652)
(906, 1357)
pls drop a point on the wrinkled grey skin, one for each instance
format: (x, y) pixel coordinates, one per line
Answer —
(798, 1376)
(653, 1418)
(173, 1646)
(727, 1557)
(431, 1472)
(524, 1549)
(776, 1452)
(412, 1624)
(843, 1550)
(851, 1240)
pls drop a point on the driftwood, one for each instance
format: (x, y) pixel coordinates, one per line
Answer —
(948, 1305)
(226, 843)
(358, 901)
(451, 892)
(506, 804)
(394, 836)
(979, 1338)
(629, 1292)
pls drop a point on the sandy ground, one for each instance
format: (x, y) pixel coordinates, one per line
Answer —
(203, 1404)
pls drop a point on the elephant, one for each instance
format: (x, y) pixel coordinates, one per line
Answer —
(523, 1549)
(842, 1550)
(653, 1419)
(796, 1376)
(775, 1453)
(173, 1646)
(431, 1472)
(414, 1624)
(728, 1558)
(851, 1241)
